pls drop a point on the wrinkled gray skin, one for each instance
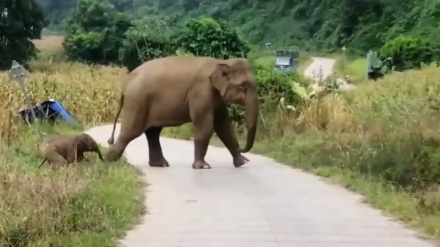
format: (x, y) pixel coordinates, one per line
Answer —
(171, 91)
(63, 150)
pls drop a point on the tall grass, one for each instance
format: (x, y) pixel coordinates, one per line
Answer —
(88, 204)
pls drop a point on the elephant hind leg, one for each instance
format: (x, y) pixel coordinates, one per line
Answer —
(154, 148)
(132, 126)
(117, 149)
(54, 158)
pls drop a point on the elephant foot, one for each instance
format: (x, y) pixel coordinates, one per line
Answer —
(240, 160)
(111, 157)
(200, 165)
(159, 163)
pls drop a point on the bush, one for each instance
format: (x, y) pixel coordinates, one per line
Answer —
(142, 45)
(409, 52)
(114, 37)
(207, 37)
(95, 32)
(387, 130)
(85, 46)
(271, 87)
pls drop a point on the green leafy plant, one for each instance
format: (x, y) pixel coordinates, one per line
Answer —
(207, 37)
(409, 52)
(95, 31)
(141, 45)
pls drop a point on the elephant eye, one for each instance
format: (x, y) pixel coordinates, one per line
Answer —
(244, 85)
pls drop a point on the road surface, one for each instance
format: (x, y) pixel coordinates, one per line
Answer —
(262, 204)
(319, 66)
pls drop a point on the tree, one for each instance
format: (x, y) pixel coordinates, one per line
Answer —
(95, 31)
(20, 21)
(311, 24)
(409, 52)
(207, 37)
(141, 45)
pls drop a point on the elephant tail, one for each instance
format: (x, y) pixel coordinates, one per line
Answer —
(45, 159)
(111, 140)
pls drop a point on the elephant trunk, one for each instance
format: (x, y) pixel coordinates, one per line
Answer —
(252, 111)
(99, 153)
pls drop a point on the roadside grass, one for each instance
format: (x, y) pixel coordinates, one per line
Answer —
(353, 66)
(86, 204)
(83, 205)
(356, 69)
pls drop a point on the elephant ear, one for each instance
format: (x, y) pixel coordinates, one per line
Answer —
(220, 77)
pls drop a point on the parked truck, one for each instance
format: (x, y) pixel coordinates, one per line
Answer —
(287, 59)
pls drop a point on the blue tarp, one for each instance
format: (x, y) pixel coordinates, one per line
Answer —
(49, 110)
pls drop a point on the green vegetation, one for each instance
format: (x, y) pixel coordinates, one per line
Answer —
(353, 66)
(323, 26)
(381, 140)
(410, 52)
(83, 205)
(310, 24)
(97, 33)
(17, 26)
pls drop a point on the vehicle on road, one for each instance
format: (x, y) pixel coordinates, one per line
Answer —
(287, 59)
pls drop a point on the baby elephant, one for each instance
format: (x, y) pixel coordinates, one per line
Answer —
(63, 150)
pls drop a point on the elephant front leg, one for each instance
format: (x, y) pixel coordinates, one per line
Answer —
(155, 150)
(80, 157)
(225, 131)
(204, 129)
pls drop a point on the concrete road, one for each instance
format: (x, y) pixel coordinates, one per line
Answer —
(320, 66)
(262, 204)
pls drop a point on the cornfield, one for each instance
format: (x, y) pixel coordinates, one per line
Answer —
(89, 93)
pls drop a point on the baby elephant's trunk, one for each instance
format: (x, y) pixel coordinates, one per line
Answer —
(85, 143)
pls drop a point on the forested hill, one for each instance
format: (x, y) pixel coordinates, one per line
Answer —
(328, 24)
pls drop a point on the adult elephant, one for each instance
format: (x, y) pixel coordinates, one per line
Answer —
(171, 91)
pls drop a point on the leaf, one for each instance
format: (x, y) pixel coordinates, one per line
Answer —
(299, 90)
